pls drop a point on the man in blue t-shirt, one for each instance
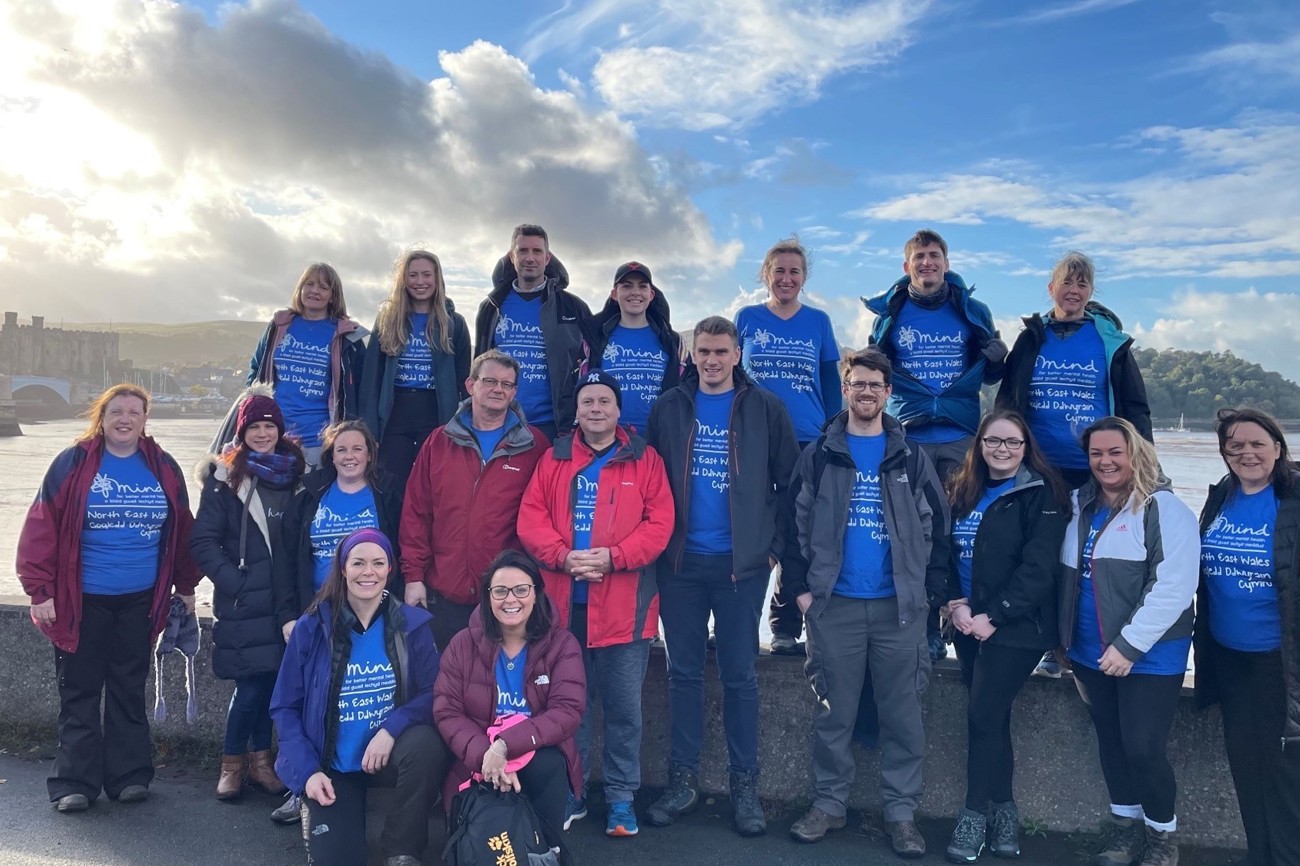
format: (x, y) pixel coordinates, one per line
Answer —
(728, 447)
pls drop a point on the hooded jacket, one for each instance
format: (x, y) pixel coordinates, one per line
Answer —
(657, 315)
(762, 453)
(566, 327)
(1126, 390)
(912, 403)
(633, 518)
(49, 549)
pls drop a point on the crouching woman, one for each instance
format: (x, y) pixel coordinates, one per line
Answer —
(353, 707)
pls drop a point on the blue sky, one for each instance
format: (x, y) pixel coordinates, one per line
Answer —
(193, 157)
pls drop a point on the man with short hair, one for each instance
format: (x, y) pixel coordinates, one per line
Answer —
(865, 585)
(462, 499)
(531, 316)
(729, 448)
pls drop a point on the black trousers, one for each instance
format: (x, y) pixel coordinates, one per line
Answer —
(336, 834)
(109, 668)
(783, 614)
(414, 416)
(1133, 715)
(1267, 776)
(448, 618)
(993, 675)
(545, 782)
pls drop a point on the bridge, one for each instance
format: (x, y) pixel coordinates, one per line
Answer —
(43, 391)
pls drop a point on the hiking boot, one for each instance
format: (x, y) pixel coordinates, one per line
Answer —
(1122, 841)
(1162, 848)
(906, 839)
(967, 842)
(261, 773)
(1004, 830)
(814, 825)
(784, 645)
(288, 812)
(230, 784)
(1049, 667)
(574, 809)
(621, 820)
(681, 797)
(746, 810)
(72, 803)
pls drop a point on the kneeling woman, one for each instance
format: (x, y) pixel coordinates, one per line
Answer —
(514, 660)
(352, 708)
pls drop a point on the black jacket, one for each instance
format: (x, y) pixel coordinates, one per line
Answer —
(1017, 564)
(763, 451)
(1286, 577)
(566, 327)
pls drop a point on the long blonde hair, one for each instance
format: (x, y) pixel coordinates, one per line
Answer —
(99, 408)
(394, 320)
(1142, 454)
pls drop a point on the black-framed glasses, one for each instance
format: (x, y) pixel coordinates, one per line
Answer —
(993, 443)
(490, 383)
(523, 590)
(859, 387)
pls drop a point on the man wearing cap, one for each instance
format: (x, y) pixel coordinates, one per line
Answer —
(633, 341)
(729, 449)
(597, 514)
(462, 498)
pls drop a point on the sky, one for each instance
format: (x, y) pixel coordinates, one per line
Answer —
(176, 162)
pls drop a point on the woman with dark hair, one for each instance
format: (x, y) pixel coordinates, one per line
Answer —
(1131, 557)
(238, 535)
(352, 707)
(417, 361)
(514, 660)
(1009, 511)
(1248, 628)
(101, 588)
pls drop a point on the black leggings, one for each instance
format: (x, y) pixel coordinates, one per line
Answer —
(545, 782)
(1133, 715)
(994, 675)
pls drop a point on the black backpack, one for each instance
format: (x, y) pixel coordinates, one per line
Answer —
(492, 827)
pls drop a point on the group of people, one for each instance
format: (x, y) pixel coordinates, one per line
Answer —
(429, 569)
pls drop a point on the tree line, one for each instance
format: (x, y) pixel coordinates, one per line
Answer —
(1196, 384)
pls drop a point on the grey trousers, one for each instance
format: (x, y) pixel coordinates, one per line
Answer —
(848, 635)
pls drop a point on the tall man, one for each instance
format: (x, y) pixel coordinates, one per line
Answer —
(729, 449)
(462, 499)
(872, 525)
(532, 317)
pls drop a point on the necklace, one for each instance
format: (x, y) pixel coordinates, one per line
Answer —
(510, 662)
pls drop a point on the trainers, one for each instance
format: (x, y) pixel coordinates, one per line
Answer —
(967, 842)
(784, 645)
(681, 797)
(746, 811)
(72, 803)
(1162, 848)
(814, 825)
(1122, 841)
(574, 810)
(1049, 667)
(288, 812)
(1004, 830)
(906, 839)
(133, 794)
(938, 648)
(621, 820)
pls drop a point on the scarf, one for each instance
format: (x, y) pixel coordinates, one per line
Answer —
(275, 468)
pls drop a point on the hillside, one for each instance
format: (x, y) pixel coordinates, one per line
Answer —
(1196, 384)
(150, 346)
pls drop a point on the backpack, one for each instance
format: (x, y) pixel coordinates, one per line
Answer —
(493, 827)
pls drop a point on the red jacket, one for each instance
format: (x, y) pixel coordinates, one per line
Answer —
(49, 549)
(465, 700)
(459, 512)
(634, 519)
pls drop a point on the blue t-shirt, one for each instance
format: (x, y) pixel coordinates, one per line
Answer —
(634, 357)
(338, 515)
(302, 378)
(366, 696)
(1237, 555)
(586, 485)
(512, 700)
(415, 364)
(488, 440)
(121, 537)
(868, 568)
(519, 335)
(1067, 392)
(785, 357)
(964, 529)
(930, 345)
(708, 528)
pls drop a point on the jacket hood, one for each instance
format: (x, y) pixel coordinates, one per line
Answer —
(480, 636)
(565, 446)
(504, 275)
(879, 304)
(1092, 309)
(837, 428)
(656, 311)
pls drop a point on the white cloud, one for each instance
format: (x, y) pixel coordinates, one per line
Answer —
(1070, 10)
(1274, 62)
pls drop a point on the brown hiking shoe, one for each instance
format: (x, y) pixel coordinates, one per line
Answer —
(1122, 842)
(1162, 848)
(906, 839)
(814, 826)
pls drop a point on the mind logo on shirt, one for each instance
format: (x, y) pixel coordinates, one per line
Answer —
(104, 485)
(907, 337)
(507, 327)
(611, 352)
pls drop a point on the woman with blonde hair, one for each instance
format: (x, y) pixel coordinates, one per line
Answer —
(417, 361)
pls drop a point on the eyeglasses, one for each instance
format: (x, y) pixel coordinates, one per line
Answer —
(492, 384)
(523, 590)
(859, 387)
(993, 443)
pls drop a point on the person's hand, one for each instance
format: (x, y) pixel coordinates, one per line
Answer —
(601, 559)
(416, 595)
(961, 618)
(377, 752)
(494, 762)
(995, 351)
(587, 564)
(804, 600)
(43, 613)
(320, 788)
(980, 627)
(188, 601)
(508, 782)
(1114, 664)
(287, 629)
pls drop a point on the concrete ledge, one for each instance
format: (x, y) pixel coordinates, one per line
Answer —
(1058, 779)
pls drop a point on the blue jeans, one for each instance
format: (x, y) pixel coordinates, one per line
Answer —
(248, 721)
(686, 598)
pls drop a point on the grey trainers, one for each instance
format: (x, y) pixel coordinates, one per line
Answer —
(747, 812)
(1122, 842)
(967, 842)
(1004, 830)
(680, 798)
(815, 824)
(1162, 849)
(288, 812)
